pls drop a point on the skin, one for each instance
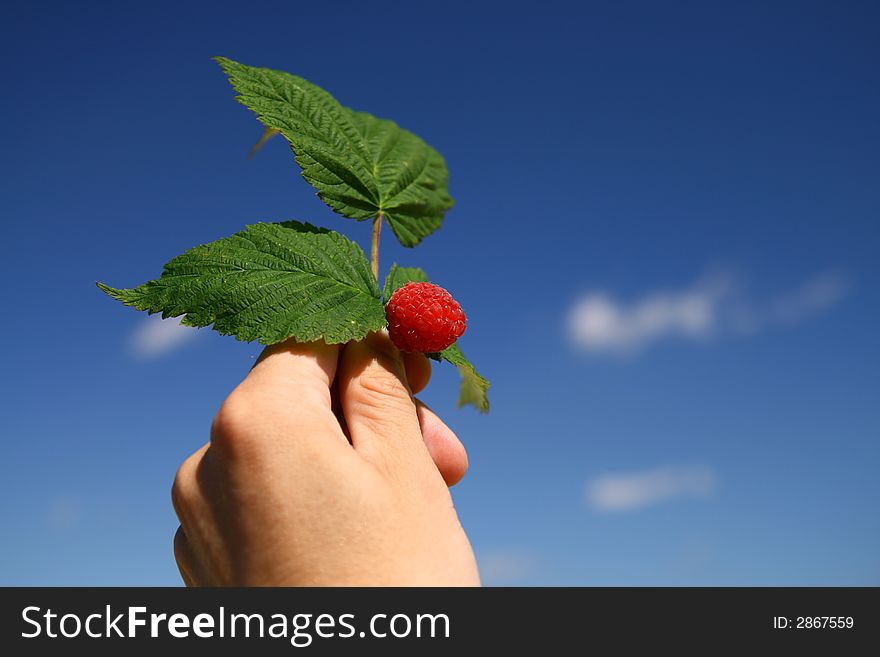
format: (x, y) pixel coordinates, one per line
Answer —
(323, 470)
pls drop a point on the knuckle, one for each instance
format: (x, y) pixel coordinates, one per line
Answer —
(183, 488)
(238, 427)
(383, 386)
(183, 555)
(233, 419)
(378, 394)
(252, 425)
(376, 412)
(180, 545)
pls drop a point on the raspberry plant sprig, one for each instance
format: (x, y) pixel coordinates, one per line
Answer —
(274, 281)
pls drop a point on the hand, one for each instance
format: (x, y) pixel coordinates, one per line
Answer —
(286, 494)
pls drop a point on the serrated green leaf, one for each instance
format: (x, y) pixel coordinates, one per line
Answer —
(412, 178)
(474, 389)
(268, 282)
(399, 276)
(361, 165)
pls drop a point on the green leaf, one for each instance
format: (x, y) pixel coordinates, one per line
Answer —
(412, 178)
(474, 388)
(268, 282)
(400, 276)
(361, 165)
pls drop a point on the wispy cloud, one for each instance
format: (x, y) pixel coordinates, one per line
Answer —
(635, 490)
(713, 306)
(156, 337)
(505, 567)
(812, 298)
(600, 323)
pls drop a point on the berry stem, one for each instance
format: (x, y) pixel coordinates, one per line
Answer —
(374, 255)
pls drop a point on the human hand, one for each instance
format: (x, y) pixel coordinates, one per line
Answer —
(285, 494)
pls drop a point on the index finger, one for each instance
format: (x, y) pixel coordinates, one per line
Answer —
(282, 403)
(299, 371)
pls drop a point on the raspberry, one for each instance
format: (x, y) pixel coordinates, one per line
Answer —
(424, 317)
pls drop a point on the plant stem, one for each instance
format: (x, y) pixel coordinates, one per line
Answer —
(374, 259)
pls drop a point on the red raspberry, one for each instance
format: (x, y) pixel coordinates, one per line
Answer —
(424, 317)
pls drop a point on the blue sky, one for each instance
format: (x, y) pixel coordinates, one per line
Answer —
(665, 237)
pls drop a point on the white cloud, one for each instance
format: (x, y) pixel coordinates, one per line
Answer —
(599, 323)
(505, 567)
(713, 306)
(156, 336)
(630, 491)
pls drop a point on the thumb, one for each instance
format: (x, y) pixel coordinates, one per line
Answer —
(377, 402)
(446, 450)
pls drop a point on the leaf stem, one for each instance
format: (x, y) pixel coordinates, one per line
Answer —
(374, 255)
